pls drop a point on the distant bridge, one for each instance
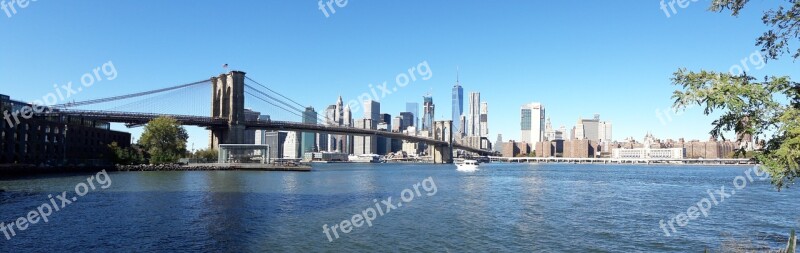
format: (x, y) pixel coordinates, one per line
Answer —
(228, 119)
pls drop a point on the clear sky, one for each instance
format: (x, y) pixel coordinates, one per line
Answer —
(578, 58)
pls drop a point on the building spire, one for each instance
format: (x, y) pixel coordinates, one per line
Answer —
(458, 82)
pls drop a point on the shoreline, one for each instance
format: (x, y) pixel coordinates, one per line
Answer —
(30, 169)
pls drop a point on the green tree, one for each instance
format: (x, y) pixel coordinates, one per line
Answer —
(164, 139)
(125, 156)
(768, 108)
(207, 154)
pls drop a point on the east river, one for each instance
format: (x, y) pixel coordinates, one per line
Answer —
(433, 208)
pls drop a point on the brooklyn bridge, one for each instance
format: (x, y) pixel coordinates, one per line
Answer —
(231, 94)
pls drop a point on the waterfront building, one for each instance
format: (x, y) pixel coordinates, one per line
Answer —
(291, 145)
(384, 145)
(308, 140)
(411, 148)
(458, 108)
(249, 134)
(484, 120)
(429, 110)
(648, 152)
(364, 144)
(551, 148)
(325, 157)
(580, 149)
(532, 122)
(56, 140)
(275, 141)
(514, 149)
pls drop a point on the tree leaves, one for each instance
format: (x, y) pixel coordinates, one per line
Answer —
(164, 139)
(785, 23)
(752, 107)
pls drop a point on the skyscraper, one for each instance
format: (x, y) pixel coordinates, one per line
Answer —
(498, 144)
(291, 145)
(484, 124)
(428, 111)
(347, 140)
(329, 142)
(372, 112)
(458, 107)
(397, 124)
(413, 108)
(474, 124)
(605, 131)
(408, 120)
(365, 144)
(463, 124)
(308, 140)
(593, 129)
(532, 123)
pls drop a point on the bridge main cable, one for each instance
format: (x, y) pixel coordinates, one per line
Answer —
(109, 99)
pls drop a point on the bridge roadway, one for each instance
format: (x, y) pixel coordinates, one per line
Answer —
(209, 122)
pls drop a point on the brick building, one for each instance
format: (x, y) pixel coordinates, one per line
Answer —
(54, 140)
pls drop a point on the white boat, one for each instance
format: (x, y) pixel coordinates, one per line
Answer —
(467, 165)
(366, 158)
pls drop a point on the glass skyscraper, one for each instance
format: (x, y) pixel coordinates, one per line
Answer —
(458, 108)
(413, 108)
(427, 116)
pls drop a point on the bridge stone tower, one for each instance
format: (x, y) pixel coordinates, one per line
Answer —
(227, 102)
(443, 131)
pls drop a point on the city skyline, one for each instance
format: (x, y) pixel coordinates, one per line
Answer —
(601, 65)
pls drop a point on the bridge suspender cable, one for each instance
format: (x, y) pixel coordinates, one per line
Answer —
(267, 101)
(265, 87)
(301, 111)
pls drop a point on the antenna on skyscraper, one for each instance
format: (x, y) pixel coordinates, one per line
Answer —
(457, 75)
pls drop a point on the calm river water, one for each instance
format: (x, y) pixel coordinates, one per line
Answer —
(501, 208)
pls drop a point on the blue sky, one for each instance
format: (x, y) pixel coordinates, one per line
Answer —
(578, 58)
